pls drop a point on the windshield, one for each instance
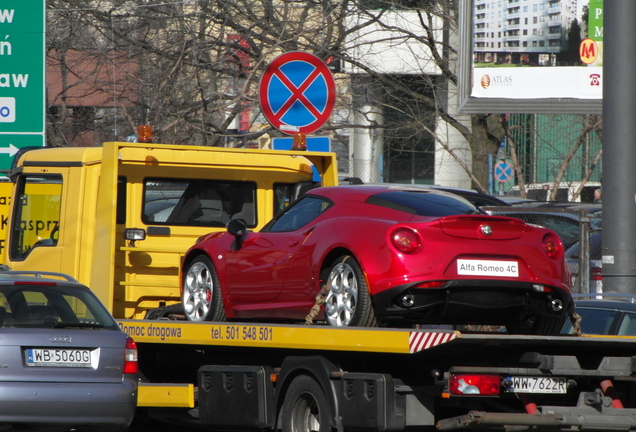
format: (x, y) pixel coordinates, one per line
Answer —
(36, 215)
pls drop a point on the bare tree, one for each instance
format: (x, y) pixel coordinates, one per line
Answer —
(191, 68)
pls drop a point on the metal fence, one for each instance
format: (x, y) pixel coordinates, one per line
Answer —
(579, 227)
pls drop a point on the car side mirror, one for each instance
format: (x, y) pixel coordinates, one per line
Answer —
(237, 227)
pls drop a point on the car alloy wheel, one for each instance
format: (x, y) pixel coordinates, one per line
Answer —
(201, 295)
(348, 302)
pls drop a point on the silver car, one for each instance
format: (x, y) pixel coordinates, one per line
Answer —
(64, 362)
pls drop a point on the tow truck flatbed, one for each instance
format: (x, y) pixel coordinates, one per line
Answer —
(380, 340)
(387, 349)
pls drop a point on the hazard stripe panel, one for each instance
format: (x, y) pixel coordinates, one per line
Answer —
(419, 341)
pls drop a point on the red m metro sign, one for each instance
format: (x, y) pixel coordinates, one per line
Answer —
(297, 93)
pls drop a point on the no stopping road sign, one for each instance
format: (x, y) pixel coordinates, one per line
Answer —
(503, 172)
(297, 93)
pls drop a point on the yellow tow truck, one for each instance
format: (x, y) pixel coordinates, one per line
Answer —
(119, 218)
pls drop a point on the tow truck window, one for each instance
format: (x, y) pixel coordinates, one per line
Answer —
(196, 202)
(36, 216)
(282, 196)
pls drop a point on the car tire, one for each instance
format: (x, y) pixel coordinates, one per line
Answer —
(536, 325)
(348, 303)
(305, 407)
(201, 296)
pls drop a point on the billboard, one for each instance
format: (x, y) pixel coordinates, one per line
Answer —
(535, 56)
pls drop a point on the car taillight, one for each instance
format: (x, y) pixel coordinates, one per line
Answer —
(474, 384)
(405, 240)
(542, 288)
(431, 284)
(596, 273)
(552, 246)
(131, 366)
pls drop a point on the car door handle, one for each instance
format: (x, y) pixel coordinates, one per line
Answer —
(292, 243)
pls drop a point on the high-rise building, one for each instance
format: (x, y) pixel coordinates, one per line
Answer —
(530, 32)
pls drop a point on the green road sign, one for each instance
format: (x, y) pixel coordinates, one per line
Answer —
(10, 144)
(22, 77)
(22, 66)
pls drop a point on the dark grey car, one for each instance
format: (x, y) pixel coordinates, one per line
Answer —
(64, 362)
(563, 219)
(605, 314)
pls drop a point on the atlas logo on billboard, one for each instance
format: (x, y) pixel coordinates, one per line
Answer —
(7, 110)
(297, 93)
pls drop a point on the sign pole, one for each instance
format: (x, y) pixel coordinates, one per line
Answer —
(619, 152)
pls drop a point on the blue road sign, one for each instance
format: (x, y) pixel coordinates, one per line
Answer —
(313, 143)
(503, 172)
(297, 93)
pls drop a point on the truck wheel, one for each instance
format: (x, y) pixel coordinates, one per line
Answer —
(201, 295)
(305, 408)
(348, 302)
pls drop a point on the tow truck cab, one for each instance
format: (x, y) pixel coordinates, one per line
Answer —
(73, 207)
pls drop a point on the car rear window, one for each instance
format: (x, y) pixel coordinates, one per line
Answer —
(423, 203)
(595, 321)
(567, 227)
(51, 306)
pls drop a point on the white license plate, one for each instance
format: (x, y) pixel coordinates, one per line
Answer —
(469, 267)
(538, 385)
(67, 357)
